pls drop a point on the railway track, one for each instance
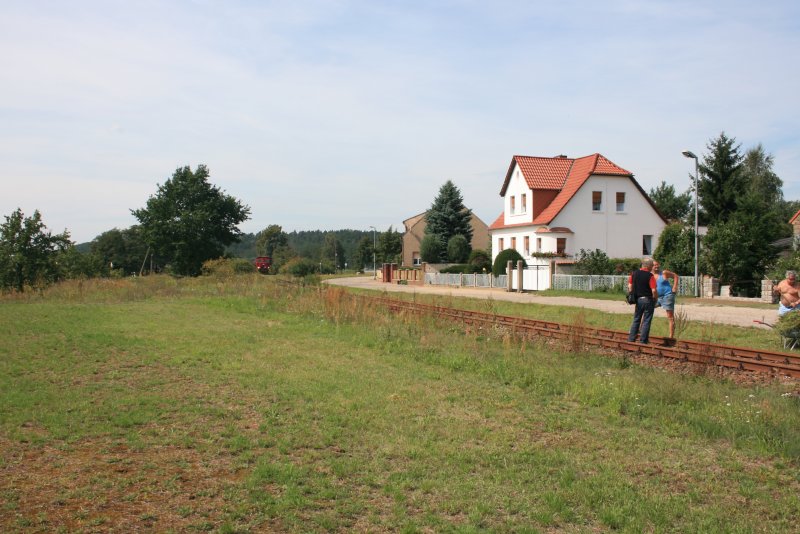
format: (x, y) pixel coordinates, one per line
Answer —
(711, 354)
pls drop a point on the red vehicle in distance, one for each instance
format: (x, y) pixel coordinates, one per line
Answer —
(263, 264)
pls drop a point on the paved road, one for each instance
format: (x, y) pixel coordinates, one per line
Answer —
(713, 313)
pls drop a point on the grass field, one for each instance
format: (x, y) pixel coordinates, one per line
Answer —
(249, 404)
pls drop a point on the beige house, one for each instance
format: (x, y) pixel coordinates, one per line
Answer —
(415, 231)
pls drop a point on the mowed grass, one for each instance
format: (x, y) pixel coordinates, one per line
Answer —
(251, 404)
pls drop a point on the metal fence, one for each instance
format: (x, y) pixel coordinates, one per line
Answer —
(465, 280)
(600, 282)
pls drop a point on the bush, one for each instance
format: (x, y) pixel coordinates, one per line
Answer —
(458, 249)
(778, 272)
(299, 267)
(458, 268)
(593, 262)
(503, 258)
(480, 261)
(226, 267)
(627, 265)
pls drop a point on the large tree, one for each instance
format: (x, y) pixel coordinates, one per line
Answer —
(721, 182)
(448, 216)
(671, 205)
(390, 246)
(364, 253)
(268, 239)
(738, 250)
(29, 252)
(675, 248)
(123, 251)
(189, 220)
(332, 252)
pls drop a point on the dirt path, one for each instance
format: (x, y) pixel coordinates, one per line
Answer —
(712, 313)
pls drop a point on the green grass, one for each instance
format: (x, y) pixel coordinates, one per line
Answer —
(249, 404)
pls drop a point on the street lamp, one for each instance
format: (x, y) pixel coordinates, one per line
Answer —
(374, 273)
(689, 154)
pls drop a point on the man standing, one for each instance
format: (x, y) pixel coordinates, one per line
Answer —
(788, 291)
(642, 284)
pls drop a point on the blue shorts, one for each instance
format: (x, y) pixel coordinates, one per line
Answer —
(667, 302)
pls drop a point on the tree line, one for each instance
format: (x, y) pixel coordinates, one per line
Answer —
(189, 221)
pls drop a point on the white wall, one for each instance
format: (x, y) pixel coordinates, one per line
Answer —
(619, 234)
(517, 186)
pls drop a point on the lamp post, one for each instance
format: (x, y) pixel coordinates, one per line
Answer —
(374, 273)
(689, 154)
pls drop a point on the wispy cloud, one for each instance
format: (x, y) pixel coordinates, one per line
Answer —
(349, 114)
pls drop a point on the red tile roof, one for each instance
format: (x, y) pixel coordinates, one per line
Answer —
(562, 174)
(793, 219)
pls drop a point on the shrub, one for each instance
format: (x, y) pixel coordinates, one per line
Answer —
(626, 265)
(458, 268)
(500, 261)
(458, 249)
(226, 267)
(300, 267)
(480, 260)
(593, 262)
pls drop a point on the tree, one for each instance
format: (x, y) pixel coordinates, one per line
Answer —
(673, 207)
(721, 182)
(189, 220)
(738, 250)
(448, 216)
(759, 178)
(281, 255)
(675, 250)
(390, 246)
(268, 239)
(458, 249)
(29, 252)
(332, 251)
(122, 250)
(430, 249)
(364, 253)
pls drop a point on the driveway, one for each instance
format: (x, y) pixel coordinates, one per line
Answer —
(712, 313)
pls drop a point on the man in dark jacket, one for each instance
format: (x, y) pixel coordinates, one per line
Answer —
(642, 284)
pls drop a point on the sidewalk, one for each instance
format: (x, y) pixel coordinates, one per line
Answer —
(733, 315)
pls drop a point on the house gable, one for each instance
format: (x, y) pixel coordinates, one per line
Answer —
(588, 202)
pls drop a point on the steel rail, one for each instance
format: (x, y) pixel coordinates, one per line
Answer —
(704, 353)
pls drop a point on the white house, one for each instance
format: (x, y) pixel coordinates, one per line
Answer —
(554, 207)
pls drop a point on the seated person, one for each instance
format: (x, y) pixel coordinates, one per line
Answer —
(789, 294)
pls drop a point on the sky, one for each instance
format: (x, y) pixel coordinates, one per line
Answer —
(326, 115)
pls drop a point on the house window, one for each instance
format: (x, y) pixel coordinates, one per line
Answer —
(620, 201)
(513, 242)
(538, 244)
(523, 203)
(561, 245)
(500, 244)
(416, 260)
(513, 208)
(647, 245)
(527, 241)
(597, 200)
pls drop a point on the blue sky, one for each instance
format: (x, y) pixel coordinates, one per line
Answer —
(351, 114)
